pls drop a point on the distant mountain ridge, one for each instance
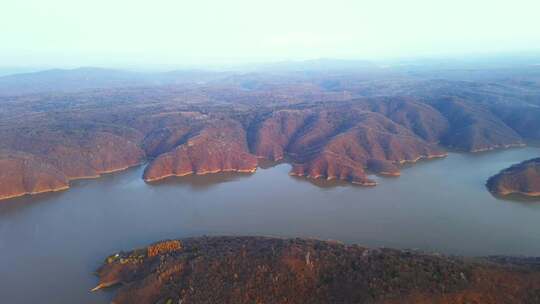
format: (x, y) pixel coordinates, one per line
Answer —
(84, 78)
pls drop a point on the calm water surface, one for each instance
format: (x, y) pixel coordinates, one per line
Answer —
(50, 244)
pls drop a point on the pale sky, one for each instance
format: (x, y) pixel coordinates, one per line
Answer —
(119, 32)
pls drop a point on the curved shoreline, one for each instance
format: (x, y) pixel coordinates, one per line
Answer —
(521, 180)
(70, 180)
(253, 170)
(34, 193)
(332, 178)
(156, 179)
(520, 193)
(498, 147)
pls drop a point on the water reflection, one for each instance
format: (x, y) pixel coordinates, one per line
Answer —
(200, 182)
(324, 183)
(518, 198)
(52, 243)
(19, 204)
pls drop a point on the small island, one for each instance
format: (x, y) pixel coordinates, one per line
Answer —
(522, 179)
(275, 270)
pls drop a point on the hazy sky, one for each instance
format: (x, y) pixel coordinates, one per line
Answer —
(118, 32)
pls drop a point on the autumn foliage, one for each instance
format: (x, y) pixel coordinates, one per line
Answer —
(163, 247)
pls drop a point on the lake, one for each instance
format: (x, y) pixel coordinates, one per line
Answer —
(50, 244)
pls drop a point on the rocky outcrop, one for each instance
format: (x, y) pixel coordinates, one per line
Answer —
(340, 143)
(522, 179)
(331, 167)
(219, 147)
(269, 270)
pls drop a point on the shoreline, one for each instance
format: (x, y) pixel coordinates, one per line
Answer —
(518, 180)
(280, 160)
(34, 193)
(151, 180)
(332, 178)
(70, 180)
(506, 194)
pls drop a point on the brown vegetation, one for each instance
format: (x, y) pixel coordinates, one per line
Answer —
(268, 270)
(522, 179)
(163, 248)
(327, 126)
